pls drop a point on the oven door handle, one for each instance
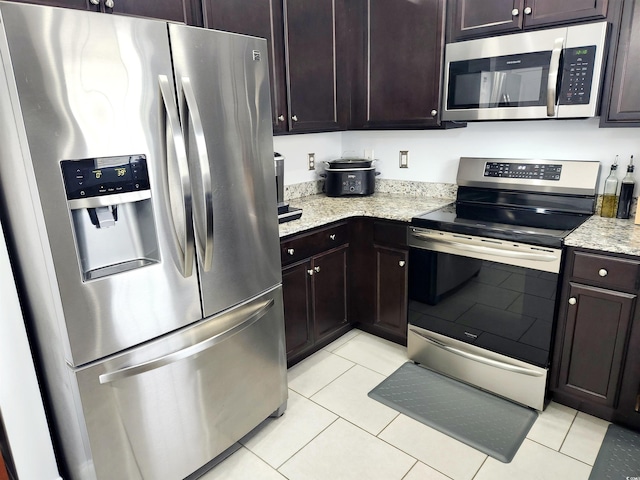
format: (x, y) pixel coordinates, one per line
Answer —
(541, 257)
(480, 359)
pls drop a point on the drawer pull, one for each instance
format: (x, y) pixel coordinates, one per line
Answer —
(332, 236)
(602, 272)
(291, 251)
(401, 263)
(572, 301)
(310, 271)
(317, 269)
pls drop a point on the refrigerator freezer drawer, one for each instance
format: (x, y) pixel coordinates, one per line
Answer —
(165, 409)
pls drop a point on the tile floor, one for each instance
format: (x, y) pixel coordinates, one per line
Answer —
(332, 430)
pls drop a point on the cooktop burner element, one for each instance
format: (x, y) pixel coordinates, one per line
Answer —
(532, 201)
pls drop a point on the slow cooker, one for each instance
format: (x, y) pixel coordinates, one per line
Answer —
(349, 176)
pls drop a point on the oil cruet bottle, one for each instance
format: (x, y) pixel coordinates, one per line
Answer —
(626, 192)
(609, 194)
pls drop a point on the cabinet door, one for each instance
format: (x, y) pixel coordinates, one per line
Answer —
(297, 313)
(260, 18)
(547, 12)
(75, 4)
(594, 340)
(400, 64)
(476, 18)
(391, 290)
(329, 287)
(621, 104)
(315, 69)
(185, 11)
(629, 405)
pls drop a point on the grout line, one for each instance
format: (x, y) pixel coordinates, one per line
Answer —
(482, 465)
(568, 430)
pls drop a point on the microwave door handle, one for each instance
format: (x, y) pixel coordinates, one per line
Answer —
(203, 221)
(175, 157)
(552, 80)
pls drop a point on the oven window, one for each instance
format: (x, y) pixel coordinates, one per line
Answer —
(502, 308)
(508, 81)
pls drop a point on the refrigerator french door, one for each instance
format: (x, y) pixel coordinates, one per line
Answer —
(137, 179)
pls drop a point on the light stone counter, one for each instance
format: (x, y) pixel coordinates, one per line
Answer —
(607, 234)
(318, 210)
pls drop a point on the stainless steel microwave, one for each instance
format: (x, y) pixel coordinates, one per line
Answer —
(555, 73)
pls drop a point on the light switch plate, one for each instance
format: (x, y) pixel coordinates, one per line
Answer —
(312, 161)
(404, 158)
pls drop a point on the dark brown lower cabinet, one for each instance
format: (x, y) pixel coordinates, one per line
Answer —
(391, 290)
(314, 284)
(596, 360)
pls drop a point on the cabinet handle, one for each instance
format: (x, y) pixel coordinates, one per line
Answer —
(527, 11)
(291, 251)
(572, 301)
(108, 3)
(294, 118)
(94, 2)
(515, 12)
(602, 272)
(281, 118)
(434, 112)
(310, 271)
(401, 263)
(317, 269)
(332, 236)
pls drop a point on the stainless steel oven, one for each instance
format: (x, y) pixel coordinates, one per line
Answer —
(484, 272)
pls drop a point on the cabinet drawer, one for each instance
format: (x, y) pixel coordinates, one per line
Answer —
(388, 233)
(309, 244)
(612, 272)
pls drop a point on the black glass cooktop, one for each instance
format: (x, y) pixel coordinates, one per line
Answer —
(526, 225)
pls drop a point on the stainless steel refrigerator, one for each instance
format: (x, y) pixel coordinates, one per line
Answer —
(136, 165)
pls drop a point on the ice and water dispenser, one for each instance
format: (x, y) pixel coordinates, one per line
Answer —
(110, 203)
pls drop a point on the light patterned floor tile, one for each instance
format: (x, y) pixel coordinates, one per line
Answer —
(345, 452)
(420, 471)
(347, 396)
(277, 439)
(373, 352)
(242, 465)
(316, 372)
(439, 451)
(342, 340)
(534, 462)
(585, 437)
(552, 425)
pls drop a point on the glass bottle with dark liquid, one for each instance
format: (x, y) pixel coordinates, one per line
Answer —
(626, 192)
(609, 199)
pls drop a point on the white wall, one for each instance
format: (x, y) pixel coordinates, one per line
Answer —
(434, 154)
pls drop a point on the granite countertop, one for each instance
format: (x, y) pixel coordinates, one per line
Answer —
(318, 210)
(607, 234)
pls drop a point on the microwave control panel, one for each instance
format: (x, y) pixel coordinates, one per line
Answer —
(577, 75)
(95, 177)
(532, 171)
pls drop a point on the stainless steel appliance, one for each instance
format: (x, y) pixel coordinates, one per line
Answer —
(349, 176)
(137, 183)
(555, 73)
(286, 213)
(483, 272)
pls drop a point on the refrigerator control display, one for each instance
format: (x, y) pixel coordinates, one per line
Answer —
(94, 177)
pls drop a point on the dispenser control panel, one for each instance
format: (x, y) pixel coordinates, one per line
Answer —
(95, 177)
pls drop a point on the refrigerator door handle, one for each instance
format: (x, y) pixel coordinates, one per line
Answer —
(203, 213)
(175, 148)
(259, 312)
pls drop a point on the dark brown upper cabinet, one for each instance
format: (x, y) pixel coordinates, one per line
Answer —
(397, 63)
(621, 97)
(315, 57)
(185, 11)
(478, 18)
(260, 18)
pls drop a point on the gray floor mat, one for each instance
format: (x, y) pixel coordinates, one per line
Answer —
(619, 455)
(483, 421)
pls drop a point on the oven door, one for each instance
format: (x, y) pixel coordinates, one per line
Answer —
(482, 310)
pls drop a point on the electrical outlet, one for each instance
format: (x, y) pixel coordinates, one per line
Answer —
(404, 158)
(368, 153)
(312, 161)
